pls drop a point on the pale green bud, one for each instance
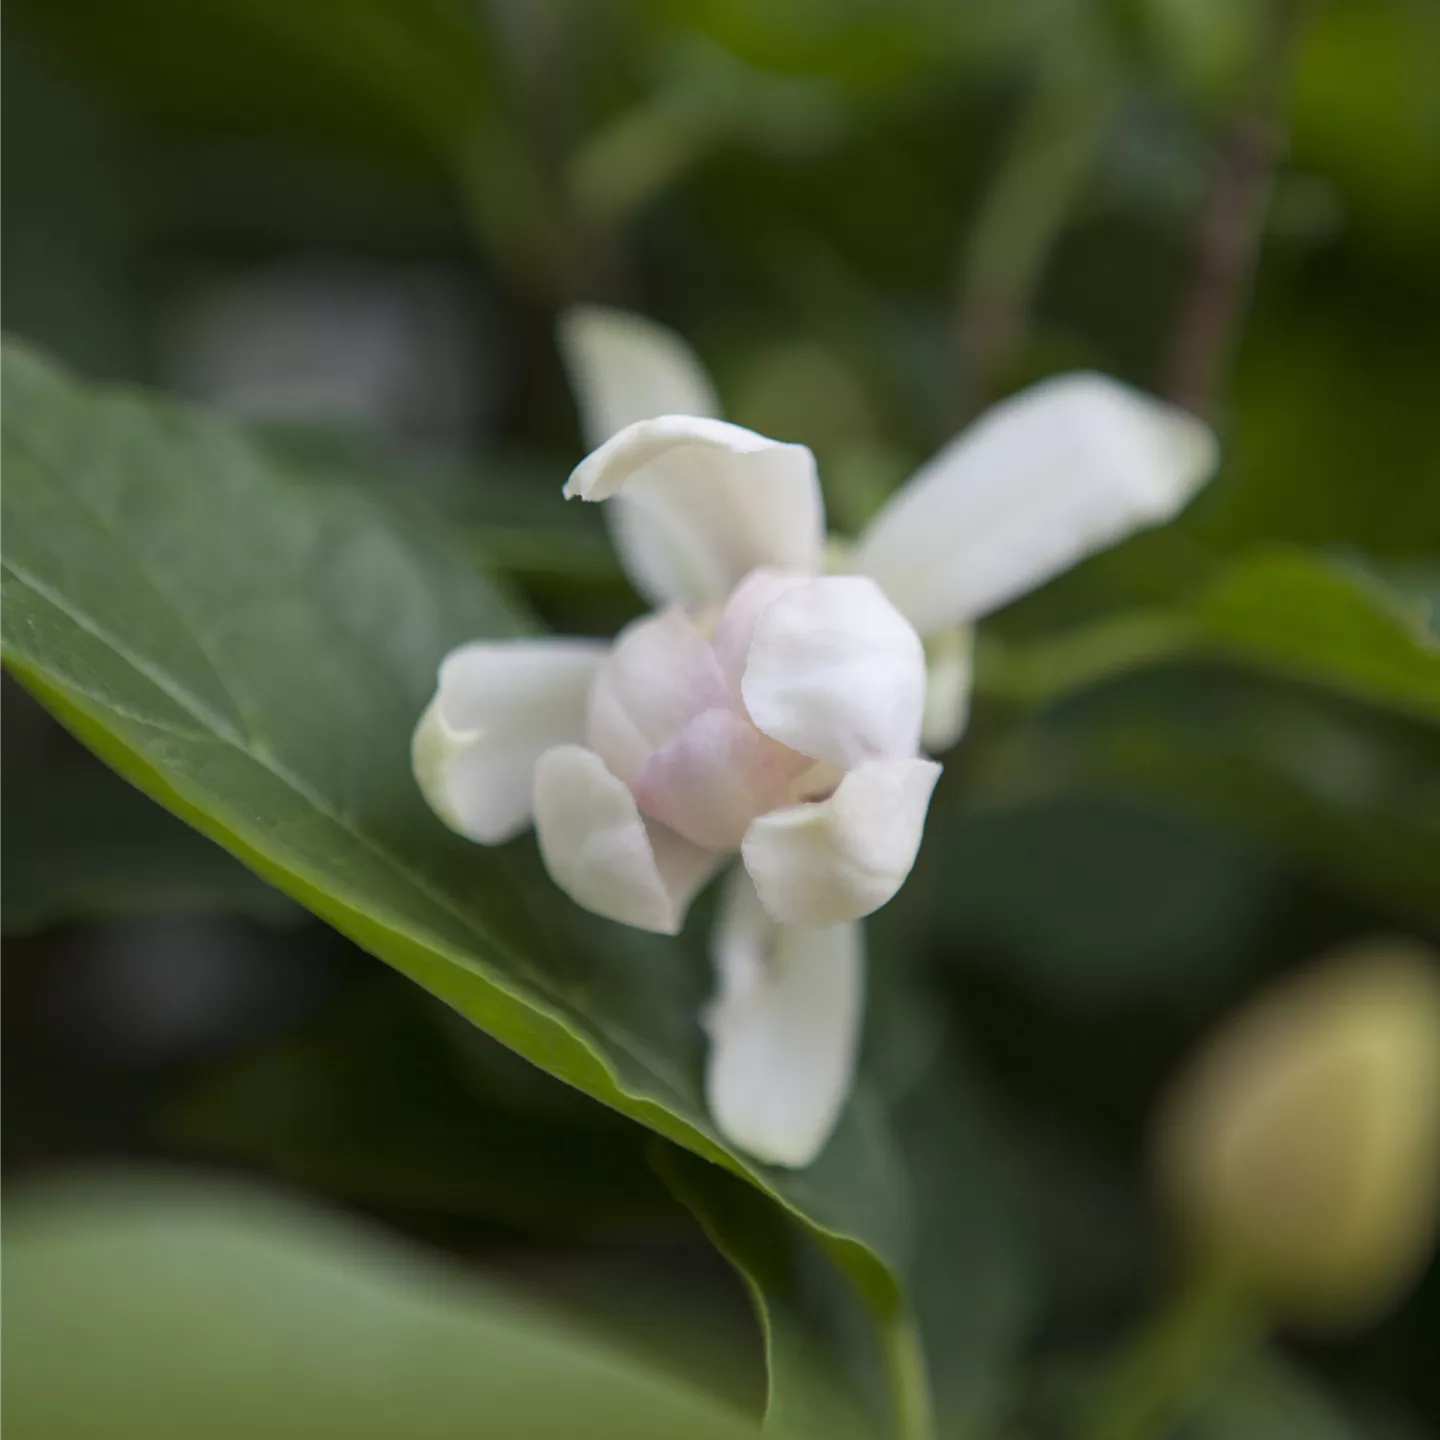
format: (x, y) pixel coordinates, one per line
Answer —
(1302, 1147)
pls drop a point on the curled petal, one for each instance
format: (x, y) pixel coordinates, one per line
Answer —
(841, 858)
(836, 671)
(625, 368)
(498, 706)
(660, 674)
(715, 777)
(1036, 484)
(704, 502)
(949, 657)
(735, 626)
(784, 1028)
(600, 851)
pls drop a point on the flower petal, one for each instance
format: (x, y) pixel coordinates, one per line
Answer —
(735, 625)
(838, 859)
(949, 658)
(703, 503)
(837, 672)
(498, 706)
(625, 368)
(784, 1028)
(660, 674)
(1036, 484)
(715, 777)
(603, 855)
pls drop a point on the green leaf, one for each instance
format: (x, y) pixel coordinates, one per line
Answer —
(254, 652)
(84, 844)
(807, 1396)
(145, 1308)
(1317, 619)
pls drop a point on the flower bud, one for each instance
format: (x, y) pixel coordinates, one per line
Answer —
(1302, 1146)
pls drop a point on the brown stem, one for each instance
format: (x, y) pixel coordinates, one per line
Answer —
(1228, 241)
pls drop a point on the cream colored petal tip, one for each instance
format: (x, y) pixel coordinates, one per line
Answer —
(835, 860)
(498, 706)
(714, 444)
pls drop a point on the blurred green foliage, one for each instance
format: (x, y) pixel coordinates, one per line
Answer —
(112, 1327)
(1195, 761)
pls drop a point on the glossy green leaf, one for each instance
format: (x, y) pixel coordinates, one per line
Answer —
(1305, 615)
(254, 653)
(164, 1310)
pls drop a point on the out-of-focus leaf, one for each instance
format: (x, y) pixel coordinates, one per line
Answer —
(867, 45)
(1205, 44)
(508, 511)
(969, 1278)
(1319, 620)
(807, 1396)
(1264, 1398)
(1331, 784)
(423, 90)
(1365, 629)
(1416, 582)
(1097, 902)
(254, 654)
(371, 1108)
(971, 1281)
(78, 211)
(1366, 112)
(704, 97)
(165, 1310)
(81, 844)
(411, 73)
(1332, 437)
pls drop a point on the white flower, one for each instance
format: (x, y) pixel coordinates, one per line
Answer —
(764, 707)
